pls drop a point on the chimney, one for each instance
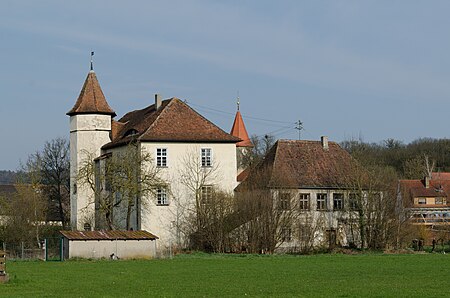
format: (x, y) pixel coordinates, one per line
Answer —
(427, 182)
(158, 101)
(324, 140)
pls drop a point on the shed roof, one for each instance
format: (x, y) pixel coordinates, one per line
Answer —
(108, 235)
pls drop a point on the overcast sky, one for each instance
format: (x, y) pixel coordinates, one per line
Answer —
(347, 69)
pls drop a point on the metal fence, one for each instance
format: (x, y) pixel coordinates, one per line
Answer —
(48, 250)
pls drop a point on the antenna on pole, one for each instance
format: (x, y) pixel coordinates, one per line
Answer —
(92, 61)
(299, 127)
(238, 100)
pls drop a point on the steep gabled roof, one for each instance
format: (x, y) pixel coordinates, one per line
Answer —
(91, 99)
(306, 164)
(173, 121)
(238, 130)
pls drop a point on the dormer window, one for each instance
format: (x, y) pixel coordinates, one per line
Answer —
(131, 132)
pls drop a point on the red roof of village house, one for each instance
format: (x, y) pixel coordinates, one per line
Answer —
(174, 121)
(108, 235)
(307, 164)
(238, 130)
(416, 188)
(91, 99)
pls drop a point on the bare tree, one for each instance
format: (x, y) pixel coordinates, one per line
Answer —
(199, 180)
(121, 181)
(50, 168)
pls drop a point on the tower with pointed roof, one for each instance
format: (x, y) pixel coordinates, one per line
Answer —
(90, 128)
(245, 145)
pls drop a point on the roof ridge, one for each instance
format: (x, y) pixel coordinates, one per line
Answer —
(163, 109)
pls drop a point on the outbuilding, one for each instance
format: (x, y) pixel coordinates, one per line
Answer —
(108, 244)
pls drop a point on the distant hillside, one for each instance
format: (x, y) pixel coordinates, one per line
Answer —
(7, 177)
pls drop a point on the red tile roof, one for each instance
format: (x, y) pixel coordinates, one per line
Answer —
(306, 164)
(91, 99)
(440, 176)
(174, 121)
(238, 130)
(108, 235)
(416, 188)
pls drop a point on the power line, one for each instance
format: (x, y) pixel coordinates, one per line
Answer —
(245, 116)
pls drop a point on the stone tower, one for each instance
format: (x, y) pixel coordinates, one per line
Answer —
(90, 128)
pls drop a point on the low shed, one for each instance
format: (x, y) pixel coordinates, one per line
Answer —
(108, 244)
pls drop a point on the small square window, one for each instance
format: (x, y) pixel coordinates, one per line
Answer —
(304, 201)
(422, 201)
(284, 201)
(206, 194)
(161, 196)
(321, 201)
(338, 201)
(206, 155)
(353, 201)
(161, 157)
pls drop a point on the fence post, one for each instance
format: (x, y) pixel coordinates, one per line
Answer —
(61, 251)
(46, 249)
(22, 250)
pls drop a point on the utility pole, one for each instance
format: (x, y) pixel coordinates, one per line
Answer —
(299, 127)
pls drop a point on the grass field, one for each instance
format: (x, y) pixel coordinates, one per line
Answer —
(376, 275)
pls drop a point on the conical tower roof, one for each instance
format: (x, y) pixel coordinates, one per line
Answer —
(238, 130)
(91, 99)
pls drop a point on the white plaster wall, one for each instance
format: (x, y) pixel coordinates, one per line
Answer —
(88, 133)
(162, 220)
(124, 249)
(328, 219)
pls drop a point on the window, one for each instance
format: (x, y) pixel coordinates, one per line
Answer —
(321, 201)
(286, 234)
(439, 201)
(422, 201)
(285, 201)
(338, 201)
(304, 201)
(161, 196)
(206, 154)
(353, 201)
(161, 157)
(206, 194)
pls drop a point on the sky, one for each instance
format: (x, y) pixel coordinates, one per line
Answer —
(366, 70)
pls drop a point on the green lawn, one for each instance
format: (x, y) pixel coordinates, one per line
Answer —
(419, 275)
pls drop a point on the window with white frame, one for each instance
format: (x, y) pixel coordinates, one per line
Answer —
(161, 157)
(321, 201)
(161, 196)
(284, 202)
(286, 234)
(338, 201)
(206, 155)
(304, 201)
(353, 201)
(206, 194)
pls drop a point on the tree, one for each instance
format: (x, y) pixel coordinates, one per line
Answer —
(199, 181)
(121, 182)
(49, 169)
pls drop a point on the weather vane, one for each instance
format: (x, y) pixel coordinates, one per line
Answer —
(238, 101)
(92, 61)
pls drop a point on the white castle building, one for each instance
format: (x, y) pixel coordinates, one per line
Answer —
(171, 132)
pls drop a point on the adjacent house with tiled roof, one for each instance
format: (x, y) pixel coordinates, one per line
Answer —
(317, 179)
(427, 201)
(173, 133)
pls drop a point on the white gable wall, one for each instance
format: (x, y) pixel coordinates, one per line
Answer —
(162, 220)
